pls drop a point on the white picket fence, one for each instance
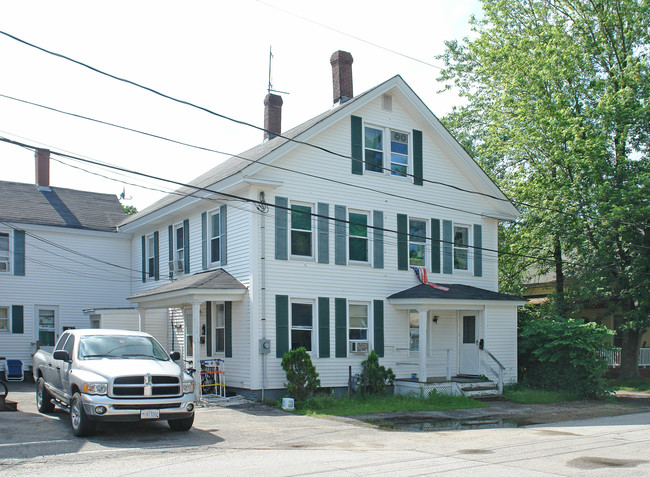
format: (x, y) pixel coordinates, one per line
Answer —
(613, 356)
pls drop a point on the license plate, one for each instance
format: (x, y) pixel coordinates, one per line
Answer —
(149, 414)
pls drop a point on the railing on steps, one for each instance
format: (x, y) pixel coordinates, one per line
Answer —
(497, 373)
(613, 356)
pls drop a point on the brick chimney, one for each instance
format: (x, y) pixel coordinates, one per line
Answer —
(341, 62)
(42, 167)
(272, 115)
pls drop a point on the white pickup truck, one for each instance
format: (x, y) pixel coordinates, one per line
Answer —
(113, 375)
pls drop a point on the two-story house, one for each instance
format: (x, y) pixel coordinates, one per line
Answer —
(308, 239)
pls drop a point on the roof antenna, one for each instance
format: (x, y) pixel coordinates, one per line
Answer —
(270, 88)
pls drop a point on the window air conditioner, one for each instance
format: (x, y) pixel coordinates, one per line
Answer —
(359, 347)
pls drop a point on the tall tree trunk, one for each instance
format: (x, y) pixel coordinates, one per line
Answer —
(630, 355)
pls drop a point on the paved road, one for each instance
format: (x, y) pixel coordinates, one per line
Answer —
(255, 440)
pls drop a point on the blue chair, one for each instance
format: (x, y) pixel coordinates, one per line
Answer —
(14, 370)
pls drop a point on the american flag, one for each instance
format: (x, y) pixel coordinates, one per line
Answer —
(421, 273)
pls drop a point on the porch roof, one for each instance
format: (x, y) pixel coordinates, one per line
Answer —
(211, 285)
(458, 296)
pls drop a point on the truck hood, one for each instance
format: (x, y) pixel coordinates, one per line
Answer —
(112, 368)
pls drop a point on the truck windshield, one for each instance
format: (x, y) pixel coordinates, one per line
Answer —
(134, 347)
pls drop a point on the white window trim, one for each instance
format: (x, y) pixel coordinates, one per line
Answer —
(386, 152)
(369, 237)
(370, 324)
(314, 328)
(57, 322)
(470, 254)
(312, 232)
(211, 214)
(174, 245)
(8, 260)
(8, 330)
(150, 272)
(425, 244)
(215, 313)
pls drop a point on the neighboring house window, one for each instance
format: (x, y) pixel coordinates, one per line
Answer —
(151, 257)
(215, 238)
(5, 263)
(179, 249)
(414, 330)
(302, 327)
(220, 329)
(461, 247)
(417, 242)
(301, 231)
(4, 319)
(358, 324)
(358, 237)
(397, 149)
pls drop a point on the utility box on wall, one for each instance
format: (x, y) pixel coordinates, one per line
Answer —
(265, 346)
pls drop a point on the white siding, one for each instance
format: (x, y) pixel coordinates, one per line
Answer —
(501, 339)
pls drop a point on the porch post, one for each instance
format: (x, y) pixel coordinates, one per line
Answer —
(141, 318)
(196, 347)
(422, 365)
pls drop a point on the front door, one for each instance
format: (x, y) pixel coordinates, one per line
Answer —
(468, 359)
(47, 327)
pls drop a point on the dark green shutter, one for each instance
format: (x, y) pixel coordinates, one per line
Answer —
(435, 245)
(478, 250)
(378, 326)
(323, 327)
(223, 234)
(228, 328)
(186, 245)
(208, 328)
(170, 234)
(323, 233)
(281, 325)
(402, 242)
(340, 235)
(378, 239)
(417, 158)
(357, 145)
(341, 327)
(281, 214)
(17, 320)
(447, 248)
(204, 240)
(156, 256)
(19, 253)
(144, 259)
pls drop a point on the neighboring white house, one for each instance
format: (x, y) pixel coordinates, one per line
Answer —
(308, 238)
(60, 253)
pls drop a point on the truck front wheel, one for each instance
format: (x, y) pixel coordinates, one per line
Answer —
(184, 424)
(81, 424)
(43, 397)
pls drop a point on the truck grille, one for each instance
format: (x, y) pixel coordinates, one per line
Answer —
(146, 386)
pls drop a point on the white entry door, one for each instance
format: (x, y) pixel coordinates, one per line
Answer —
(47, 326)
(468, 359)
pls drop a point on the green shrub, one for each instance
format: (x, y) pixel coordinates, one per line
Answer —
(375, 378)
(302, 378)
(561, 354)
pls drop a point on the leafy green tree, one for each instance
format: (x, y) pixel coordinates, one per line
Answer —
(129, 209)
(558, 112)
(302, 378)
(375, 378)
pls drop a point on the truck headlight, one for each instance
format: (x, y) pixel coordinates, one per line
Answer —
(95, 388)
(188, 387)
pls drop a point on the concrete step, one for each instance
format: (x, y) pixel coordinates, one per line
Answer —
(481, 389)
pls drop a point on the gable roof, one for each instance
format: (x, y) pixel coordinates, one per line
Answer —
(59, 207)
(238, 163)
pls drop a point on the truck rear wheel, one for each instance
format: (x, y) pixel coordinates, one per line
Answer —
(43, 397)
(81, 424)
(184, 424)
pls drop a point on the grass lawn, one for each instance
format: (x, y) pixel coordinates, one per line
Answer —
(534, 396)
(330, 406)
(641, 384)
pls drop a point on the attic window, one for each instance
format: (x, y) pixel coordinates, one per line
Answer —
(387, 102)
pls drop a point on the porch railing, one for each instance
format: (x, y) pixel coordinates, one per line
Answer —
(435, 356)
(498, 373)
(613, 356)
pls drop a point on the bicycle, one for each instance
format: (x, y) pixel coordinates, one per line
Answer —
(207, 378)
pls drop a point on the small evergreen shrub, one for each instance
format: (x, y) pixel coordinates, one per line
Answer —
(302, 378)
(375, 378)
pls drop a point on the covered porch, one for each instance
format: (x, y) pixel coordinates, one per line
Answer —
(194, 296)
(462, 340)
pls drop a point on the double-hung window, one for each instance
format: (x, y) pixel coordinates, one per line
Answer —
(215, 238)
(414, 331)
(358, 325)
(461, 247)
(220, 328)
(151, 257)
(301, 231)
(302, 325)
(417, 242)
(396, 149)
(4, 319)
(179, 249)
(358, 237)
(5, 257)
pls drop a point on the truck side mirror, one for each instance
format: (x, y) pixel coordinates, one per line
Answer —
(62, 355)
(175, 356)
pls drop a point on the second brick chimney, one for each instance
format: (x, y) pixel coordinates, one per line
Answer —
(42, 167)
(272, 115)
(341, 62)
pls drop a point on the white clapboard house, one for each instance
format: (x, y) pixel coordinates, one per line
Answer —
(308, 239)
